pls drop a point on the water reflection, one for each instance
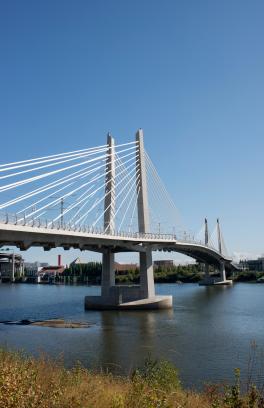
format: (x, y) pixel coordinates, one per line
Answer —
(128, 337)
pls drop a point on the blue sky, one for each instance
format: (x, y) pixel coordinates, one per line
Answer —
(190, 73)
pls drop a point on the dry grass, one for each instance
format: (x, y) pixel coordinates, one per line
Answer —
(42, 383)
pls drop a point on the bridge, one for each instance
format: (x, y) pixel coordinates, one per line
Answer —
(108, 199)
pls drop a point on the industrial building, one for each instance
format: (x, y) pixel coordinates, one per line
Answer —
(11, 267)
(163, 263)
(255, 264)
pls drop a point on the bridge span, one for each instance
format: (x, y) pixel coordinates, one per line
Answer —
(26, 236)
(125, 183)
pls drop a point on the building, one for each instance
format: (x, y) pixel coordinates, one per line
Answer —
(255, 264)
(32, 268)
(50, 272)
(163, 263)
(122, 268)
(11, 267)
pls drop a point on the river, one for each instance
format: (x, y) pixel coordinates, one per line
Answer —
(206, 335)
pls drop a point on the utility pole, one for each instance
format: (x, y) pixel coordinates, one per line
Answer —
(61, 211)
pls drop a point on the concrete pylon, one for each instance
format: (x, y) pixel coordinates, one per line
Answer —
(206, 239)
(109, 202)
(219, 236)
(147, 287)
(209, 280)
(108, 257)
(206, 235)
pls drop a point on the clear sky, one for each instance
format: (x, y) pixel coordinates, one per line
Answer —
(190, 73)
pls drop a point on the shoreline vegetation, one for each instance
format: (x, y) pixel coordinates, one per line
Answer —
(90, 273)
(27, 382)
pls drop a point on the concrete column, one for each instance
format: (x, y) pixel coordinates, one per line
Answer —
(109, 202)
(13, 268)
(206, 235)
(108, 272)
(206, 270)
(222, 271)
(143, 215)
(147, 288)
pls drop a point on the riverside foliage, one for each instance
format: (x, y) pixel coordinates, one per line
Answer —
(192, 273)
(92, 272)
(26, 382)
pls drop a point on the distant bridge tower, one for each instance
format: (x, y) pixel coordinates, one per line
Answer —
(222, 264)
(206, 235)
(206, 240)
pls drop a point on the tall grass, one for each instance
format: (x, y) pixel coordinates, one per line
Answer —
(27, 382)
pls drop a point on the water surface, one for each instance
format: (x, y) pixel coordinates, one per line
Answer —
(206, 335)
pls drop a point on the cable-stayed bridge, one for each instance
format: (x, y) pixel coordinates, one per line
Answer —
(107, 199)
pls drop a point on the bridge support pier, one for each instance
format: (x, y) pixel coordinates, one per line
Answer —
(108, 272)
(147, 288)
(222, 272)
(206, 270)
(211, 281)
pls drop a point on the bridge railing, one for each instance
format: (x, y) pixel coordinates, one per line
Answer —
(15, 219)
(18, 219)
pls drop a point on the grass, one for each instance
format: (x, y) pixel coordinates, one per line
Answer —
(27, 382)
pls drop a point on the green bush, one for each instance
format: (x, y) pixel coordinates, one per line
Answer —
(158, 374)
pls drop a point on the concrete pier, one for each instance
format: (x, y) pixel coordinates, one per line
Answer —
(155, 303)
(211, 281)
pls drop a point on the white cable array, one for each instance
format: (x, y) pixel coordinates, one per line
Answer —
(3, 167)
(72, 192)
(29, 162)
(213, 239)
(161, 205)
(129, 204)
(41, 176)
(91, 208)
(83, 219)
(51, 185)
(123, 211)
(133, 211)
(53, 164)
(80, 176)
(76, 175)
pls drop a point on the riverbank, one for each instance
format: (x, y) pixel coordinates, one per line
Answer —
(91, 272)
(27, 382)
